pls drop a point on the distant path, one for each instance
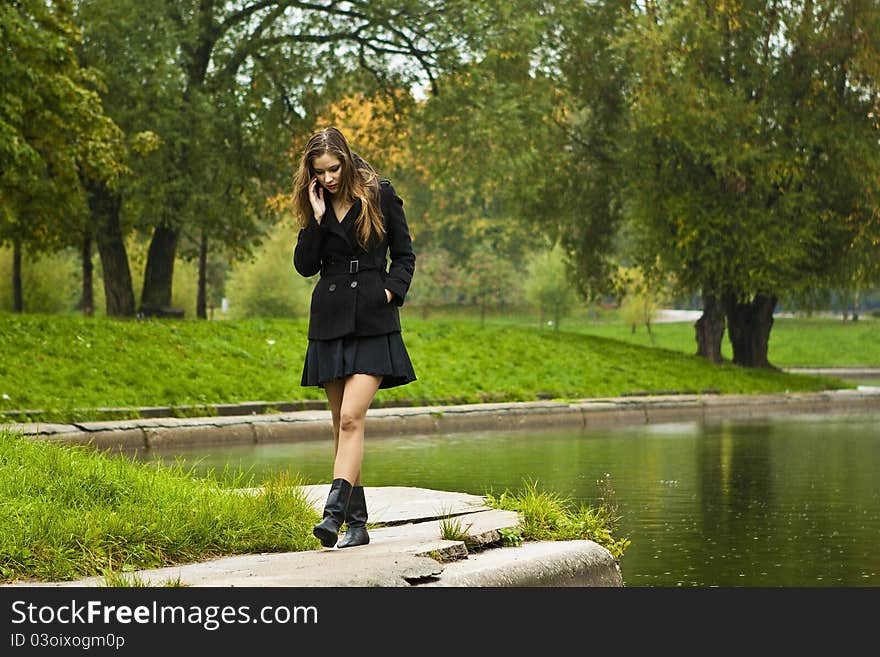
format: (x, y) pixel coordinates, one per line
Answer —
(843, 372)
(667, 315)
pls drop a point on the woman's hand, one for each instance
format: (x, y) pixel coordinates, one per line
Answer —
(388, 295)
(316, 198)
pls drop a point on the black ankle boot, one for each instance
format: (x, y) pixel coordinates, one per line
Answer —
(327, 531)
(356, 520)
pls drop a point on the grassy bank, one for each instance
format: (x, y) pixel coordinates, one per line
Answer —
(70, 512)
(56, 364)
(816, 341)
(804, 342)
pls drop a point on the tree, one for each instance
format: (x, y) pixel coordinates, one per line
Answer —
(752, 162)
(584, 201)
(491, 281)
(266, 285)
(548, 287)
(439, 282)
(52, 130)
(228, 79)
(640, 299)
(488, 143)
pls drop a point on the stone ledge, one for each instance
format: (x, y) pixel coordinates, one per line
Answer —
(544, 563)
(385, 422)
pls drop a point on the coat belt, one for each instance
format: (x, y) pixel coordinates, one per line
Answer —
(353, 266)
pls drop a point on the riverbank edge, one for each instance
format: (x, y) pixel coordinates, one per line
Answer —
(170, 433)
(273, 407)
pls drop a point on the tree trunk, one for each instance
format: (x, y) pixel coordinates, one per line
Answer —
(749, 327)
(17, 295)
(709, 329)
(159, 273)
(88, 289)
(105, 206)
(202, 296)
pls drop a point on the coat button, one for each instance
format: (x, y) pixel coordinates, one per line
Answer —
(332, 286)
(354, 283)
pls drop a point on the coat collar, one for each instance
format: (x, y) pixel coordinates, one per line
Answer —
(345, 228)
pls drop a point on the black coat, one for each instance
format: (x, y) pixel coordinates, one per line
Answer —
(349, 298)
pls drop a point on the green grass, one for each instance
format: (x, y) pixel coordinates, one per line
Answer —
(794, 342)
(68, 512)
(64, 366)
(451, 529)
(546, 516)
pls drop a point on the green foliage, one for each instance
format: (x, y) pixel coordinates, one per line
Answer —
(488, 141)
(511, 537)
(548, 516)
(641, 299)
(440, 280)
(50, 283)
(52, 126)
(185, 287)
(194, 154)
(80, 513)
(748, 169)
(583, 197)
(491, 280)
(217, 97)
(268, 285)
(547, 286)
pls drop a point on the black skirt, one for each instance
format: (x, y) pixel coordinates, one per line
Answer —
(380, 355)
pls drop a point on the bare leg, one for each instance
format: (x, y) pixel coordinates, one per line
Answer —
(357, 396)
(335, 390)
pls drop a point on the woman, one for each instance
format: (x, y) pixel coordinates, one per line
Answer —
(350, 221)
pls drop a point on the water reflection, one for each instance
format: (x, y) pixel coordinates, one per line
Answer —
(793, 501)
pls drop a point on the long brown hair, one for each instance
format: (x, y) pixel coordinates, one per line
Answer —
(357, 180)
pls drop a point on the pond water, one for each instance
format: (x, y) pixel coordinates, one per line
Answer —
(788, 501)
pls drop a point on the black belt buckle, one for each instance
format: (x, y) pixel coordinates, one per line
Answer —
(352, 266)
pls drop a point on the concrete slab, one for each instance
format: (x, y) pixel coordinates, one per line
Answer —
(398, 504)
(330, 568)
(426, 538)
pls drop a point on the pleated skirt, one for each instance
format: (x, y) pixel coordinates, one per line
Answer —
(380, 355)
